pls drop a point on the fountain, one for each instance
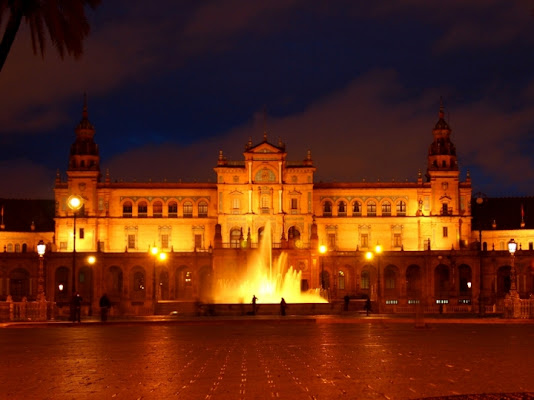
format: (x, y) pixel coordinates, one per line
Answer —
(268, 280)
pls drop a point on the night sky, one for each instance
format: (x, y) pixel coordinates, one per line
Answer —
(170, 83)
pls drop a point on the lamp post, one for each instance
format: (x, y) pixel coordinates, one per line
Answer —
(514, 295)
(378, 251)
(322, 250)
(162, 256)
(512, 247)
(75, 203)
(41, 248)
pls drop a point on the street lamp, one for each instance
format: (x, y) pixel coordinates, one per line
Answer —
(369, 256)
(162, 256)
(41, 248)
(75, 203)
(378, 251)
(322, 250)
(512, 247)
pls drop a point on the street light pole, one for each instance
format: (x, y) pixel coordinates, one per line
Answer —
(514, 295)
(41, 248)
(378, 251)
(322, 250)
(162, 256)
(75, 203)
(512, 247)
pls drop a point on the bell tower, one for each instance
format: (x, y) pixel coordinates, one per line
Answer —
(442, 152)
(442, 170)
(84, 163)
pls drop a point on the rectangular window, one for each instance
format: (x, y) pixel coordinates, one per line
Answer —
(445, 232)
(294, 204)
(164, 241)
(101, 246)
(198, 241)
(364, 240)
(100, 204)
(397, 240)
(332, 240)
(63, 245)
(82, 233)
(131, 241)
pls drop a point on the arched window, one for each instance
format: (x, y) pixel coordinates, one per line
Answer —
(188, 209)
(294, 233)
(138, 284)
(327, 209)
(202, 209)
(235, 238)
(142, 209)
(127, 209)
(390, 278)
(173, 209)
(114, 283)
(157, 209)
(342, 209)
(401, 208)
(371, 209)
(356, 209)
(341, 280)
(365, 281)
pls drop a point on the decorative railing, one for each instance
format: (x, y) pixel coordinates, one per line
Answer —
(27, 310)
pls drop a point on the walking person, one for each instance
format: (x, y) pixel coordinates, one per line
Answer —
(254, 299)
(105, 305)
(283, 306)
(76, 307)
(368, 306)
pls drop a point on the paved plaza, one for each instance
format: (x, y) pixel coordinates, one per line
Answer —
(277, 358)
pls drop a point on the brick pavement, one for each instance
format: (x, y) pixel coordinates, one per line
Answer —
(294, 358)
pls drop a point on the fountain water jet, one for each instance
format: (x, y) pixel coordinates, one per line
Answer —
(269, 281)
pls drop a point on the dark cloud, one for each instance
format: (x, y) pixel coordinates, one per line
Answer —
(356, 82)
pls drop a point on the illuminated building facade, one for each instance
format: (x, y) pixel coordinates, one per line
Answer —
(431, 252)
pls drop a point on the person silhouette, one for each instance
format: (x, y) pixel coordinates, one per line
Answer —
(254, 298)
(283, 306)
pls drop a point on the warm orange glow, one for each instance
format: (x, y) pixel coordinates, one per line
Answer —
(378, 249)
(322, 249)
(369, 255)
(266, 278)
(91, 259)
(154, 250)
(74, 202)
(162, 256)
